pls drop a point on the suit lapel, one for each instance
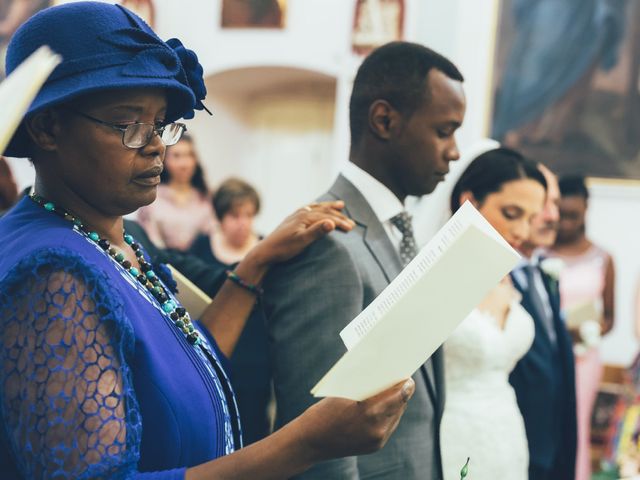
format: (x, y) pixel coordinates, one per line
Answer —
(377, 241)
(528, 306)
(554, 297)
(374, 235)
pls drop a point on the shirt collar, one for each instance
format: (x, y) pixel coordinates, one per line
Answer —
(383, 202)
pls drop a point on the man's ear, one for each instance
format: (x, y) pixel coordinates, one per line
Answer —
(464, 196)
(43, 129)
(383, 119)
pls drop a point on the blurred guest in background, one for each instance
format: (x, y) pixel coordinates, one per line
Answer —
(8, 187)
(182, 209)
(586, 280)
(236, 203)
(544, 379)
(481, 418)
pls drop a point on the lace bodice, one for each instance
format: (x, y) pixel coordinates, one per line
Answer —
(481, 354)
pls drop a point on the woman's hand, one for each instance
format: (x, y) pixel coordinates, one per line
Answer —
(332, 428)
(299, 230)
(337, 427)
(227, 314)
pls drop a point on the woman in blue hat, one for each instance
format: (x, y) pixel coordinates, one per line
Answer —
(102, 373)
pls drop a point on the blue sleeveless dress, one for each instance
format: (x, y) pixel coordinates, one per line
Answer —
(95, 380)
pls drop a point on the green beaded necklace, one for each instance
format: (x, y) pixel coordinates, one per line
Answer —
(145, 276)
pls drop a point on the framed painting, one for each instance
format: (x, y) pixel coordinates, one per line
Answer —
(567, 84)
(253, 13)
(375, 23)
(14, 12)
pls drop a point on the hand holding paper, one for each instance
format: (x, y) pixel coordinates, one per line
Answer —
(416, 313)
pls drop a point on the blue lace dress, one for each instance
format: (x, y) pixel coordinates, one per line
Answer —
(95, 381)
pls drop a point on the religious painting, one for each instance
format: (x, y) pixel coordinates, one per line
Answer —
(15, 12)
(253, 13)
(566, 84)
(143, 8)
(12, 14)
(377, 22)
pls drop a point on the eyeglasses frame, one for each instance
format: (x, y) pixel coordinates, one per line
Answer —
(156, 130)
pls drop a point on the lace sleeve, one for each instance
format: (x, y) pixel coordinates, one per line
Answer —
(67, 402)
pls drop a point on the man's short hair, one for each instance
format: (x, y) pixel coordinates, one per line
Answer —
(573, 186)
(397, 73)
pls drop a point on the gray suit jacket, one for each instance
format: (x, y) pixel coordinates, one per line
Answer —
(308, 301)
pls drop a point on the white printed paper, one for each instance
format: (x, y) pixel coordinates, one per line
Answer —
(18, 90)
(190, 295)
(416, 313)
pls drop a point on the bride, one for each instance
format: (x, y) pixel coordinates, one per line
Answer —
(481, 419)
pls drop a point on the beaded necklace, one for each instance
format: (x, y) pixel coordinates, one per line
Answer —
(145, 276)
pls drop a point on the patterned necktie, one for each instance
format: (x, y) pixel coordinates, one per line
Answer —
(408, 249)
(538, 303)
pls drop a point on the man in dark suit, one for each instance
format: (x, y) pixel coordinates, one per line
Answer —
(407, 102)
(544, 379)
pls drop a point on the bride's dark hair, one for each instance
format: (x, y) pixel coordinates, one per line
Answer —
(488, 172)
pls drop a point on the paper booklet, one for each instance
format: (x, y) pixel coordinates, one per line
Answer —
(18, 90)
(576, 315)
(190, 296)
(420, 308)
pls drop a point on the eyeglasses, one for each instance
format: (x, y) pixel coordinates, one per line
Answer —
(139, 134)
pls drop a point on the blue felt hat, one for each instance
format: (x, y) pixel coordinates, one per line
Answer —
(104, 47)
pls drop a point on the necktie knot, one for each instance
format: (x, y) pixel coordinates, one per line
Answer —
(402, 222)
(408, 248)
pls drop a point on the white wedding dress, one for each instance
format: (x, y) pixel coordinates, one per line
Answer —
(481, 418)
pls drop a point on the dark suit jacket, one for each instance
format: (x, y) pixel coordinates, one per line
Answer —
(308, 301)
(544, 382)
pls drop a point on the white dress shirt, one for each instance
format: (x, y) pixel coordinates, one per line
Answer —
(383, 202)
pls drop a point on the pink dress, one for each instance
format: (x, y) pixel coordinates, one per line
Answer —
(582, 280)
(173, 225)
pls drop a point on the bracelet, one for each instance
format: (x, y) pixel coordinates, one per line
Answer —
(233, 276)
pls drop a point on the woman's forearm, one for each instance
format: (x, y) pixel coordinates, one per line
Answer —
(227, 314)
(282, 455)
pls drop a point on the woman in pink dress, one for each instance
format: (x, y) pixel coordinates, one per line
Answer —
(586, 284)
(182, 209)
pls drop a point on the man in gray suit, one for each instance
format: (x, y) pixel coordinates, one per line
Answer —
(407, 102)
